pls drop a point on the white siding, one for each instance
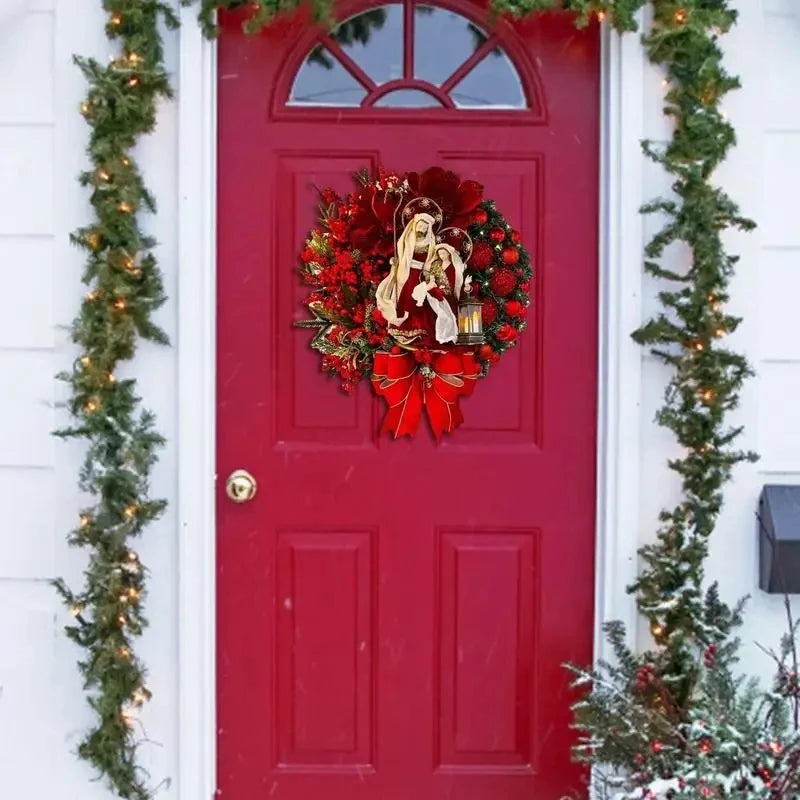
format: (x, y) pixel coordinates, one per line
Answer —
(41, 150)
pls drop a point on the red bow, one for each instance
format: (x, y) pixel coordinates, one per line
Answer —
(408, 385)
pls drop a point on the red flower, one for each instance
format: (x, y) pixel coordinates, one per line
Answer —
(377, 317)
(338, 228)
(329, 196)
(503, 282)
(507, 333)
(457, 199)
(482, 256)
(488, 312)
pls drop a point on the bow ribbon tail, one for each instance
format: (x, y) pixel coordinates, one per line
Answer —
(397, 379)
(455, 377)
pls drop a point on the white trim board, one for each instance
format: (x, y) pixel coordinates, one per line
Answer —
(619, 375)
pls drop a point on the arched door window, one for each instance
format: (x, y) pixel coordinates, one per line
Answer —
(409, 55)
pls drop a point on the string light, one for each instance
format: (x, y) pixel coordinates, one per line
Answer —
(84, 520)
(116, 20)
(601, 15)
(93, 240)
(132, 556)
(75, 611)
(126, 162)
(680, 16)
(720, 332)
(121, 620)
(85, 108)
(128, 719)
(111, 378)
(93, 295)
(707, 395)
(129, 263)
(140, 696)
(699, 346)
(119, 304)
(134, 594)
(665, 82)
(103, 175)
(92, 405)
(129, 512)
(124, 653)
(86, 361)
(134, 81)
(657, 630)
(134, 58)
(125, 207)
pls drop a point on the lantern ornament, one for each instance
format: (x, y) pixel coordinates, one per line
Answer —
(470, 320)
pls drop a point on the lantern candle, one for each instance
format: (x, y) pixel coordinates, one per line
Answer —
(470, 321)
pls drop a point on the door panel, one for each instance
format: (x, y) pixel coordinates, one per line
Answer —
(394, 616)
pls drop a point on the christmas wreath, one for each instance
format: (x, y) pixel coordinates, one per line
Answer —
(418, 283)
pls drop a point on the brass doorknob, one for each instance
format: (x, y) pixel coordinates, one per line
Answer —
(241, 486)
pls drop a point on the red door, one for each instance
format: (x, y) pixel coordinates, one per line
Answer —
(393, 616)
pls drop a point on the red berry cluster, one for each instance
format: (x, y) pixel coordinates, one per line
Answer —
(645, 676)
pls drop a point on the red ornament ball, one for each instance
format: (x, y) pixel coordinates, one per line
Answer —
(514, 308)
(488, 312)
(497, 235)
(507, 333)
(482, 256)
(657, 746)
(515, 236)
(510, 255)
(525, 287)
(485, 352)
(480, 216)
(503, 282)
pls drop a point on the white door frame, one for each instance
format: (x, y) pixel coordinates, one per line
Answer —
(619, 374)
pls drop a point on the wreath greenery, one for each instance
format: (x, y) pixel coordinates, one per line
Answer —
(345, 259)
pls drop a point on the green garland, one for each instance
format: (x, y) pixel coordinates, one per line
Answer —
(125, 289)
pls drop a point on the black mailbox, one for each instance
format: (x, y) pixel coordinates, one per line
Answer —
(779, 539)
